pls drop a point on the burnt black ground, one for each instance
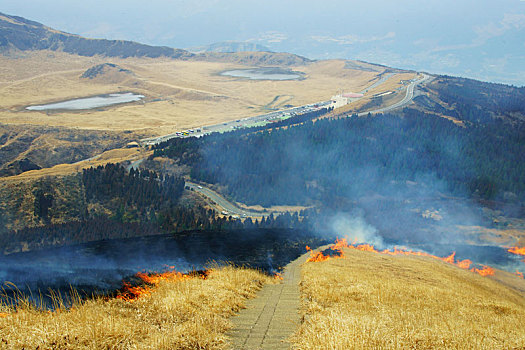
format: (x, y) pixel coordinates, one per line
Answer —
(102, 266)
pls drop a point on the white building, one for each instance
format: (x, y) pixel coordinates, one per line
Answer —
(344, 99)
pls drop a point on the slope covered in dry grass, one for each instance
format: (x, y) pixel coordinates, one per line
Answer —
(188, 314)
(374, 301)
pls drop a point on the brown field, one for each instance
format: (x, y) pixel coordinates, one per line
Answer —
(112, 156)
(180, 94)
(188, 314)
(373, 301)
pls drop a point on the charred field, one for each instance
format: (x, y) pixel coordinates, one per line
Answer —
(102, 267)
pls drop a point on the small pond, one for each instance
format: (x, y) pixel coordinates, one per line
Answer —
(264, 74)
(89, 102)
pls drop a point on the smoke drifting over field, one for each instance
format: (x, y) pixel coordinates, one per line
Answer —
(412, 179)
(353, 225)
(101, 266)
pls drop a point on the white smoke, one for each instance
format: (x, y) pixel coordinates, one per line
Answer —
(355, 228)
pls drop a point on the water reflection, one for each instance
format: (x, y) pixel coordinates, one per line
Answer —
(264, 74)
(90, 102)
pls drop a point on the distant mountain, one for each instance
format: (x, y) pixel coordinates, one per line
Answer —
(254, 58)
(21, 34)
(17, 33)
(230, 46)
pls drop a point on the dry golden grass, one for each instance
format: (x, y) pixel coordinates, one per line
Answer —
(188, 314)
(112, 156)
(373, 301)
(180, 94)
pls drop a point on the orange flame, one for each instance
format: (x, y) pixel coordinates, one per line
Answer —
(343, 243)
(485, 271)
(3, 315)
(278, 276)
(131, 293)
(319, 256)
(517, 251)
(155, 278)
(519, 274)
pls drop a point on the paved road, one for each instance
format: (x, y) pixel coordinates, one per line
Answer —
(135, 164)
(377, 83)
(273, 316)
(88, 159)
(239, 123)
(405, 101)
(282, 114)
(227, 207)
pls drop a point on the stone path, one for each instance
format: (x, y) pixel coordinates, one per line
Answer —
(273, 316)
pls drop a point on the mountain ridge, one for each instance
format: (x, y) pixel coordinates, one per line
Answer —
(21, 34)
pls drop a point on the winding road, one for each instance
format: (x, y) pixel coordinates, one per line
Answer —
(405, 101)
(228, 208)
(265, 118)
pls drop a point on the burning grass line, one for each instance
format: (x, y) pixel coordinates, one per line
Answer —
(131, 292)
(451, 259)
(190, 314)
(517, 251)
(149, 280)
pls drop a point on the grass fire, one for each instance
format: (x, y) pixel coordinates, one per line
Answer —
(358, 297)
(181, 311)
(517, 251)
(130, 292)
(339, 244)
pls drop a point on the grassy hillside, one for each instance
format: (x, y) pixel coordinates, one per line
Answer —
(374, 301)
(26, 147)
(189, 313)
(99, 203)
(22, 34)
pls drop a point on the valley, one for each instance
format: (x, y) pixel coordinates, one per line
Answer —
(154, 191)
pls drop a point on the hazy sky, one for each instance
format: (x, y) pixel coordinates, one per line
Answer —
(483, 39)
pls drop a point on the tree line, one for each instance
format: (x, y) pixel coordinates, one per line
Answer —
(315, 162)
(134, 203)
